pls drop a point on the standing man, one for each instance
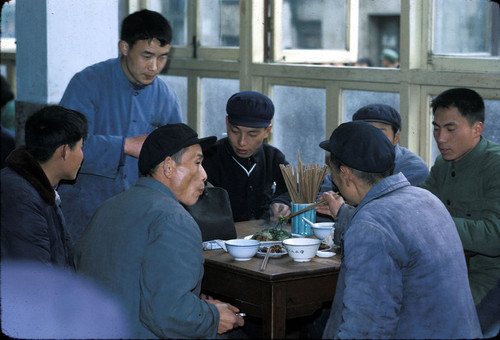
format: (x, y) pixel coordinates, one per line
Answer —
(33, 226)
(144, 246)
(403, 273)
(466, 179)
(244, 165)
(124, 101)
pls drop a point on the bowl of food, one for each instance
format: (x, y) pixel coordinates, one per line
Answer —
(301, 249)
(277, 250)
(322, 229)
(242, 249)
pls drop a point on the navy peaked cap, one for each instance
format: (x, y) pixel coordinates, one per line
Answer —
(250, 109)
(379, 113)
(361, 146)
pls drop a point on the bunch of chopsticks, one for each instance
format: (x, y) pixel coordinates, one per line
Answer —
(303, 182)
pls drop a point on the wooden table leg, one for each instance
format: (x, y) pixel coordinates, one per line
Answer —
(274, 311)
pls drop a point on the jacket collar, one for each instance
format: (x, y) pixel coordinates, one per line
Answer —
(22, 162)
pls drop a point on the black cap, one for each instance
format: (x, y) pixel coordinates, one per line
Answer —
(361, 146)
(379, 113)
(250, 109)
(166, 141)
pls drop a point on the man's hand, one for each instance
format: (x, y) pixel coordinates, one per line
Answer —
(133, 145)
(334, 200)
(279, 209)
(228, 319)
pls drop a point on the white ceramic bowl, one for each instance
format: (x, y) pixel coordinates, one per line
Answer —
(322, 229)
(241, 249)
(301, 249)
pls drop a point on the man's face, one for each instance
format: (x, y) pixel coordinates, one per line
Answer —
(454, 136)
(388, 131)
(246, 140)
(74, 159)
(144, 61)
(188, 177)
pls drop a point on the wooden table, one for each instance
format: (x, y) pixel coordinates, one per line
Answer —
(285, 290)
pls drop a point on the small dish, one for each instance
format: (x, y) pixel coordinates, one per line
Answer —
(325, 253)
(262, 253)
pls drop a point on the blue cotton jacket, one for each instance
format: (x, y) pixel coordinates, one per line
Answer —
(146, 248)
(115, 109)
(403, 273)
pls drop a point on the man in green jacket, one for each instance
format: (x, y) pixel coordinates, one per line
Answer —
(466, 178)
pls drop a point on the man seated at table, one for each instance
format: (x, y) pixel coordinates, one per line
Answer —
(466, 179)
(244, 165)
(387, 119)
(403, 272)
(144, 246)
(33, 225)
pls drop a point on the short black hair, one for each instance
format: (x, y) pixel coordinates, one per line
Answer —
(370, 178)
(51, 127)
(468, 102)
(146, 25)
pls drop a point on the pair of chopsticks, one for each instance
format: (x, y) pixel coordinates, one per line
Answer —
(312, 206)
(266, 259)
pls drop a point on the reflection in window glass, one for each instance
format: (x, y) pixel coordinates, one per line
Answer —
(175, 12)
(8, 22)
(179, 85)
(299, 123)
(314, 24)
(491, 129)
(220, 23)
(354, 100)
(471, 29)
(215, 93)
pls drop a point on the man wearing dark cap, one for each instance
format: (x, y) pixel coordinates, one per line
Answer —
(387, 119)
(244, 165)
(403, 273)
(145, 247)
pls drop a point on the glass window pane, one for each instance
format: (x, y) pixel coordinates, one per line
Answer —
(215, 93)
(308, 24)
(354, 100)
(299, 123)
(175, 12)
(179, 85)
(8, 22)
(220, 23)
(472, 28)
(491, 129)
(378, 30)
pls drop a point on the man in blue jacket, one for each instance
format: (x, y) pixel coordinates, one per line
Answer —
(403, 273)
(123, 100)
(146, 248)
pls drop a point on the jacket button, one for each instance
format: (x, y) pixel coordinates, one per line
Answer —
(453, 174)
(448, 202)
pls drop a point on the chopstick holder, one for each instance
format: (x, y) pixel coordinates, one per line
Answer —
(312, 206)
(266, 258)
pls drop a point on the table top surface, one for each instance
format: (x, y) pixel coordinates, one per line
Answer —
(278, 269)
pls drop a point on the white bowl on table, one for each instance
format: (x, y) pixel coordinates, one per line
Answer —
(301, 249)
(322, 229)
(242, 249)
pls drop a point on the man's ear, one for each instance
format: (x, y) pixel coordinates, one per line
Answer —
(477, 128)
(395, 141)
(124, 47)
(61, 151)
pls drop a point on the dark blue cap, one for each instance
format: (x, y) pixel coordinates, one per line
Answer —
(250, 109)
(361, 146)
(379, 113)
(166, 141)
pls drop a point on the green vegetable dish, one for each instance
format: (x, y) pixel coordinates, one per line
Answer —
(271, 234)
